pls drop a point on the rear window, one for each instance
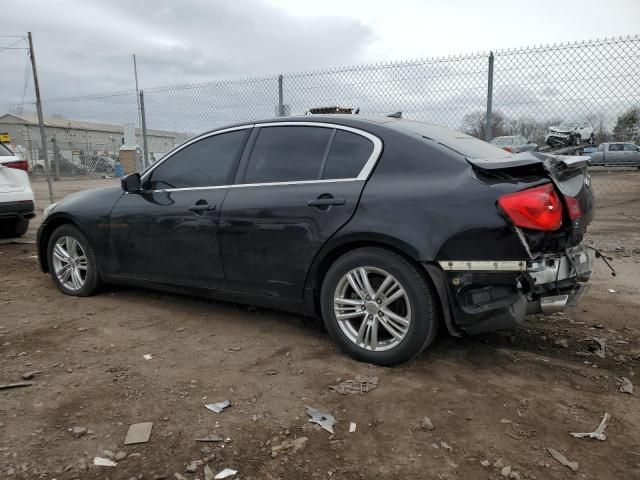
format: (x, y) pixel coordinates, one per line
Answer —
(459, 142)
(502, 141)
(5, 152)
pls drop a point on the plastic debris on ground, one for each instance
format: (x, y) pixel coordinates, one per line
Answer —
(293, 445)
(598, 433)
(324, 419)
(138, 433)
(218, 407)
(104, 462)
(147, 356)
(352, 427)
(625, 385)
(355, 386)
(227, 472)
(560, 458)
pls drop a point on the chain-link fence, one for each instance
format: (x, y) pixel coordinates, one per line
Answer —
(566, 98)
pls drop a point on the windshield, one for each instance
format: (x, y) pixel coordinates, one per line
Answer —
(568, 125)
(502, 141)
(459, 142)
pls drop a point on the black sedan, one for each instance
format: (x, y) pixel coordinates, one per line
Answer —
(387, 229)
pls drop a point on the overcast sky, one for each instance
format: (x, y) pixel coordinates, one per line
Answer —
(84, 47)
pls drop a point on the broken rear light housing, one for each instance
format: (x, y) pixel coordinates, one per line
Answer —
(537, 208)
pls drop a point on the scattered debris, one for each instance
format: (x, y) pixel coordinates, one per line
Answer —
(104, 462)
(108, 454)
(425, 424)
(324, 419)
(210, 438)
(78, 431)
(218, 407)
(445, 445)
(227, 472)
(208, 473)
(15, 385)
(355, 386)
(294, 445)
(181, 329)
(30, 375)
(561, 343)
(505, 471)
(625, 385)
(120, 455)
(560, 458)
(138, 433)
(598, 434)
(598, 347)
(505, 420)
(232, 349)
(611, 290)
(485, 463)
(352, 427)
(192, 467)
(272, 372)
(147, 356)
(180, 476)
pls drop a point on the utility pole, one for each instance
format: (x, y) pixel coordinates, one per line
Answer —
(489, 120)
(43, 139)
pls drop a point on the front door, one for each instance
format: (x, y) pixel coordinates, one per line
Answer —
(169, 232)
(295, 189)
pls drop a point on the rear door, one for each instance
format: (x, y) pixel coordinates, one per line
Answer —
(296, 186)
(169, 232)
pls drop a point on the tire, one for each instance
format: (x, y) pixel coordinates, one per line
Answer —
(14, 227)
(88, 281)
(417, 306)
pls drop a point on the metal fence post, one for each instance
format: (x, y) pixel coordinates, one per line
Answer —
(489, 119)
(280, 97)
(145, 148)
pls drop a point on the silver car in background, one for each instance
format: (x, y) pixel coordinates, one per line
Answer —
(616, 154)
(514, 144)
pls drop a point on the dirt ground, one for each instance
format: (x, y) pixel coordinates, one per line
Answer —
(502, 398)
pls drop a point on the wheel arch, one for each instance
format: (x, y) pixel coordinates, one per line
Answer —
(45, 234)
(339, 247)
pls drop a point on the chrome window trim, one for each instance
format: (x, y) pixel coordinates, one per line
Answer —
(362, 176)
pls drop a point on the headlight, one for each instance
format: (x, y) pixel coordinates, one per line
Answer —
(47, 211)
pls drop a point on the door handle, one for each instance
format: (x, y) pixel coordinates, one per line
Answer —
(325, 202)
(201, 208)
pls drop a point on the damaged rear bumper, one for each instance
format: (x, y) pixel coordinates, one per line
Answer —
(495, 295)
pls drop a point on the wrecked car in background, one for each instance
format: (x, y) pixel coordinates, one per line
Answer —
(570, 133)
(514, 144)
(387, 229)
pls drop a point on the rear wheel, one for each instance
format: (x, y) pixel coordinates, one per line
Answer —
(378, 306)
(72, 262)
(14, 227)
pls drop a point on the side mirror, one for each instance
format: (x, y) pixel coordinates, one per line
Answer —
(131, 183)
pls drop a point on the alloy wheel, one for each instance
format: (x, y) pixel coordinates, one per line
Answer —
(372, 308)
(70, 263)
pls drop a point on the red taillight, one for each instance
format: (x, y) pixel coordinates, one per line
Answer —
(508, 149)
(19, 164)
(573, 205)
(537, 208)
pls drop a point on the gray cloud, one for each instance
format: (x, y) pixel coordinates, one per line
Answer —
(85, 47)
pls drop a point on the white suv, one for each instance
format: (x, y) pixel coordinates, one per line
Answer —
(570, 133)
(16, 196)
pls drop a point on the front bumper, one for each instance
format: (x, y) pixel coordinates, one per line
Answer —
(486, 296)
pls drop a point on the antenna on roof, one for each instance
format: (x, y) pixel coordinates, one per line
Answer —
(395, 115)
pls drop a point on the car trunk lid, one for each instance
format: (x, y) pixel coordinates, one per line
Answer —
(571, 180)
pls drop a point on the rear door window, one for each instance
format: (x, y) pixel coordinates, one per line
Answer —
(287, 154)
(630, 148)
(615, 147)
(348, 155)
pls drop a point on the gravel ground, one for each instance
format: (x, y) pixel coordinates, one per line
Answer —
(494, 401)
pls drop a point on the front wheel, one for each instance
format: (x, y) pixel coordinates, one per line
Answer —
(72, 262)
(378, 306)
